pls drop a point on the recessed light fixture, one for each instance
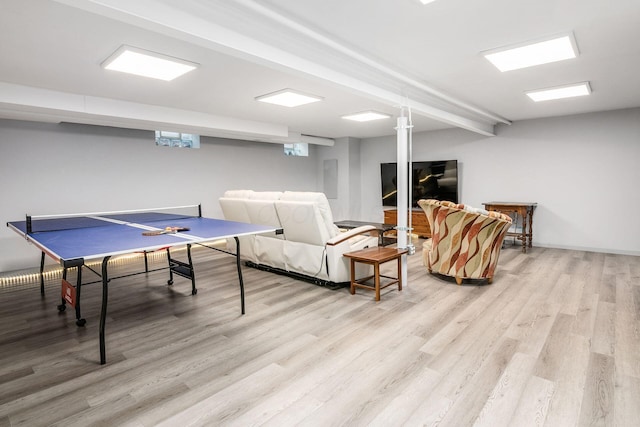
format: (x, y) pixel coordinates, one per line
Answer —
(366, 116)
(288, 98)
(426, 1)
(529, 54)
(559, 92)
(142, 62)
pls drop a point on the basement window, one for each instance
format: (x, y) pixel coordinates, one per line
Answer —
(177, 139)
(297, 149)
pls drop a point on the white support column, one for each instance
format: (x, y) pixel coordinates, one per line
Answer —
(402, 186)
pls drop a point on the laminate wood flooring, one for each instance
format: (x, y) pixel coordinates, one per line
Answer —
(554, 341)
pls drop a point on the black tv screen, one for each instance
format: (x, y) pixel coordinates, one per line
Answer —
(431, 180)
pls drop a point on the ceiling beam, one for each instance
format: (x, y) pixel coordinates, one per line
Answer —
(58, 106)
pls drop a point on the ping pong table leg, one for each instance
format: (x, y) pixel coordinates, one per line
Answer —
(63, 305)
(42, 274)
(182, 269)
(146, 263)
(191, 271)
(103, 311)
(239, 274)
(170, 281)
(79, 320)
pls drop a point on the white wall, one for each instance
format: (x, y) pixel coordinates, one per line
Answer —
(63, 168)
(583, 171)
(355, 184)
(343, 152)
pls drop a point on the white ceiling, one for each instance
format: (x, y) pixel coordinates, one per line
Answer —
(357, 54)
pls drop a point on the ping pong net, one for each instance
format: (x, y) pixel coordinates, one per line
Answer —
(44, 223)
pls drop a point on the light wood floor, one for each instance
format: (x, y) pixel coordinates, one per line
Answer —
(555, 341)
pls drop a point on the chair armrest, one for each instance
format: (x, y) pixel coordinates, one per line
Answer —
(363, 229)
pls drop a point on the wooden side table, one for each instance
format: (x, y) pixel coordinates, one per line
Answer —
(375, 256)
(525, 211)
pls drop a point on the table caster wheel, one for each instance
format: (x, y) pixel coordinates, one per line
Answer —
(62, 307)
(193, 292)
(169, 282)
(81, 322)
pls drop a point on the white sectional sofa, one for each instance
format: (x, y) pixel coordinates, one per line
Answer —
(310, 246)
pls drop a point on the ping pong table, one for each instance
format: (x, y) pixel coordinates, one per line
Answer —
(73, 240)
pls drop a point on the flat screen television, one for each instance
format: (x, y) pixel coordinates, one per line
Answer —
(431, 180)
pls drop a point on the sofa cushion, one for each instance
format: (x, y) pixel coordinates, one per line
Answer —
(302, 222)
(321, 202)
(238, 194)
(263, 212)
(234, 209)
(265, 195)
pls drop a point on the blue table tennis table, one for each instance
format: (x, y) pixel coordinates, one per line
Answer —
(73, 240)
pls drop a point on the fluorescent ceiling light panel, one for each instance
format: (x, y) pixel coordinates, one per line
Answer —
(366, 116)
(288, 98)
(533, 53)
(426, 1)
(569, 91)
(142, 62)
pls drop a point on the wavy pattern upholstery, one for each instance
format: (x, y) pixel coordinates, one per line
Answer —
(465, 242)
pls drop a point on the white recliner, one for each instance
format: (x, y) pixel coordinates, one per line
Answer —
(310, 246)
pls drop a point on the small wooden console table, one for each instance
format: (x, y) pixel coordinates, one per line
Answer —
(375, 256)
(522, 209)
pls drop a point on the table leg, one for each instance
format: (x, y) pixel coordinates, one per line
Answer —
(63, 302)
(376, 273)
(42, 274)
(194, 290)
(530, 229)
(79, 320)
(352, 289)
(523, 236)
(239, 268)
(170, 281)
(103, 311)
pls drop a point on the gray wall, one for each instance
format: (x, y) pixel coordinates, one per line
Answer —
(583, 171)
(63, 168)
(346, 151)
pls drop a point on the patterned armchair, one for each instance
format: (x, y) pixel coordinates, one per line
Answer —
(465, 242)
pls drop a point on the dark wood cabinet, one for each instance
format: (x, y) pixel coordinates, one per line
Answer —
(419, 221)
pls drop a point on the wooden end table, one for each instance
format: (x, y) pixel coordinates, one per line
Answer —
(375, 256)
(525, 211)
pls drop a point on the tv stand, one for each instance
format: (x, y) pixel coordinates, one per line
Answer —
(419, 221)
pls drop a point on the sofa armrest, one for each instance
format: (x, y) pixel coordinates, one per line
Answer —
(350, 233)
